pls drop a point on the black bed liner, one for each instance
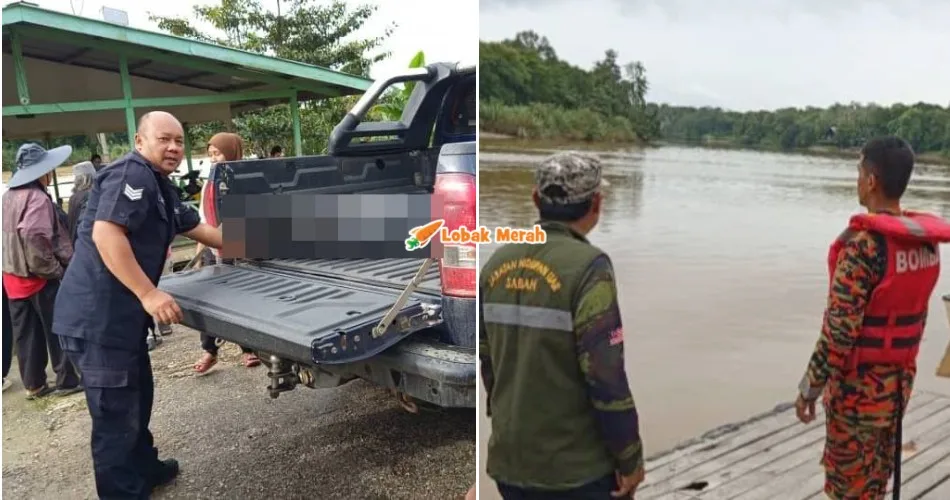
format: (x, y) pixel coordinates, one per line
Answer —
(391, 273)
(298, 316)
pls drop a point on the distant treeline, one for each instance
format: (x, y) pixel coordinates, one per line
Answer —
(844, 126)
(528, 92)
(83, 148)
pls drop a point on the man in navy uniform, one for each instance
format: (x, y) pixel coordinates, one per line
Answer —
(109, 296)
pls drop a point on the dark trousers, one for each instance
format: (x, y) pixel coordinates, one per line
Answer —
(595, 490)
(207, 343)
(7, 335)
(119, 393)
(32, 320)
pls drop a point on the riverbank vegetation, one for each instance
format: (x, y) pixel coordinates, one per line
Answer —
(527, 92)
(844, 127)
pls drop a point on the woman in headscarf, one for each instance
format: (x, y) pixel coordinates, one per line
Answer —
(83, 175)
(222, 147)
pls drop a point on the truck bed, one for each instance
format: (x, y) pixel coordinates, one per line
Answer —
(315, 321)
(317, 311)
(389, 273)
(294, 314)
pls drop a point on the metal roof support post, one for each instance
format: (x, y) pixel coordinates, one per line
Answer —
(59, 200)
(19, 67)
(187, 146)
(47, 138)
(103, 143)
(127, 96)
(295, 118)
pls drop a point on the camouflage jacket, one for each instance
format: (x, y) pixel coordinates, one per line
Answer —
(866, 398)
(551, 350)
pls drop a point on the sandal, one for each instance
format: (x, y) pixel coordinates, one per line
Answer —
(39, 393)
(67, 391)
(205, 363)
(251, 360)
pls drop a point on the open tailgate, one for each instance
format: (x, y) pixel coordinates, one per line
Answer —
(305, 318)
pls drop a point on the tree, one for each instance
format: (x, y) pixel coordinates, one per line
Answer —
(607, 102)
(526, 91)
(305, 31)
(844, 126)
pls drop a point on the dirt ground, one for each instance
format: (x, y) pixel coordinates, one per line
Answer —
(233, 441)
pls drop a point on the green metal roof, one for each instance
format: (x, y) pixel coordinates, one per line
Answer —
(56, 36)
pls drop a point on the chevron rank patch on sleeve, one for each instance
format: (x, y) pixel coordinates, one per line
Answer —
(133, 194)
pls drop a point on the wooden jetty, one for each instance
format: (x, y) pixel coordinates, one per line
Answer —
(774, 456)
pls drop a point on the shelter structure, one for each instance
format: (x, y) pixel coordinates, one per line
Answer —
(73, 75)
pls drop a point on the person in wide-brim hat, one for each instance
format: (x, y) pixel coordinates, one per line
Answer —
(36, 251)
(33, 162)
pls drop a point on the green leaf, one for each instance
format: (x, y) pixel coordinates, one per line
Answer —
(418, 61)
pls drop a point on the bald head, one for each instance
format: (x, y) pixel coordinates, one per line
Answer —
(160, 139)
(153, 118)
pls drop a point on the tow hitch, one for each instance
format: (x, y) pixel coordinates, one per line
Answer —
(406, 402)
(283, 376)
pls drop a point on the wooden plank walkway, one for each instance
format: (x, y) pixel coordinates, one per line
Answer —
(773, 456)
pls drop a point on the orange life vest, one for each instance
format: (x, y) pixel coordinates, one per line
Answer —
(897, 310)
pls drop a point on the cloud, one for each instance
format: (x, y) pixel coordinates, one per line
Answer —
(776, 9)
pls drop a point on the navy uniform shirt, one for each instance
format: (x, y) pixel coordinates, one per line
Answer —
(92, 304)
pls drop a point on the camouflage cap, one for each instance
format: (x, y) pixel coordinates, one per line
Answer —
(568, 177)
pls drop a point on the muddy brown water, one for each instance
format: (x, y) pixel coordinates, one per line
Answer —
(720, 258)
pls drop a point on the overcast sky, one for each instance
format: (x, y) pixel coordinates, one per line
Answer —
(751, 54)
(445, 41)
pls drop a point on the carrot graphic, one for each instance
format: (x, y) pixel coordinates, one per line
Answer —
(419, 236)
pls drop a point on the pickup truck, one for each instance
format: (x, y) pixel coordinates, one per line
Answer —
(407, 325)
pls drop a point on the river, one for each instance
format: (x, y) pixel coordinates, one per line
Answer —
(720, 260)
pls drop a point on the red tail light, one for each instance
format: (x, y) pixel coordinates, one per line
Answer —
(207, 205)
(458, 261)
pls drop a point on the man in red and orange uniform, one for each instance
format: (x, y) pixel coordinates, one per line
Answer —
(883, 269)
